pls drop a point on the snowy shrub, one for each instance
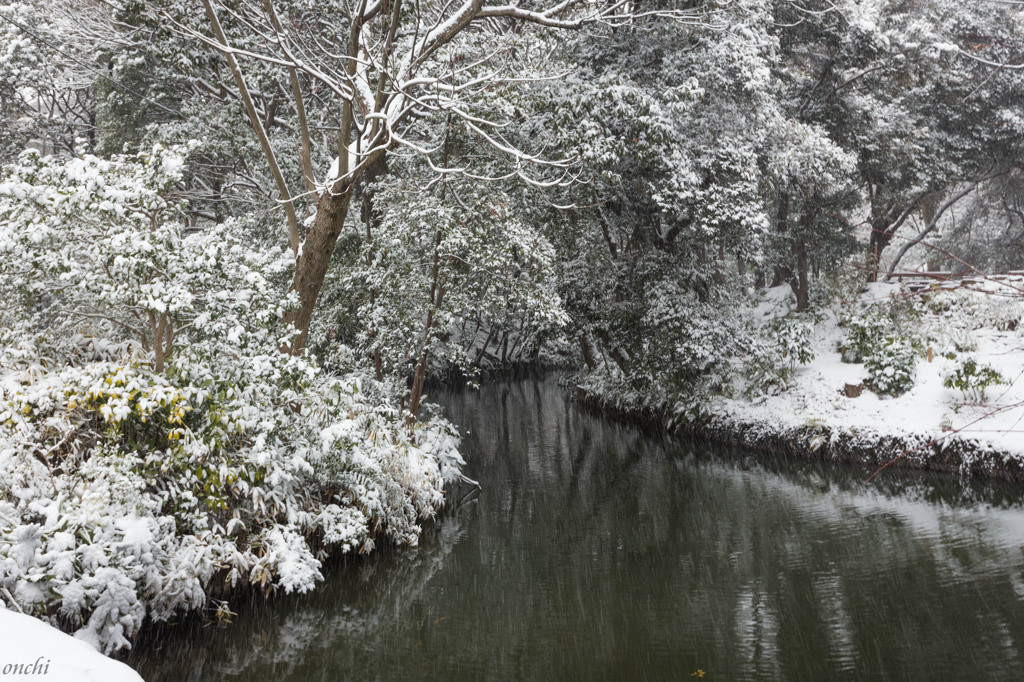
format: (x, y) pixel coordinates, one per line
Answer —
(972, 379)
(865, 334)
(688, 340)
(125, 492)
(675, 351)
(768, 371)
(156, 447)
(955, 315)
(980, 309)
(685, 351)
(891, 367)
(793, 338)
(773, 354)
(995, 310)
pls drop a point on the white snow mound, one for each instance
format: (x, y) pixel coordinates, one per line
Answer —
(31, 649)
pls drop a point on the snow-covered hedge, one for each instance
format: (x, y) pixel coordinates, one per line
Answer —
(156, 447)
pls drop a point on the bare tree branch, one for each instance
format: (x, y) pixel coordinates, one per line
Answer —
(261, 133)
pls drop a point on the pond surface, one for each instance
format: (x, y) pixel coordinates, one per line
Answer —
(597, 553)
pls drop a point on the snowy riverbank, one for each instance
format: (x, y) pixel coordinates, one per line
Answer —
(929, 426)
(827, 408)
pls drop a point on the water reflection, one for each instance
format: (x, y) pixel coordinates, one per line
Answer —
(595, 552)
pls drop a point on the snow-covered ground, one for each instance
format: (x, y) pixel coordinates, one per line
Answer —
(969, 328)
(30, 649)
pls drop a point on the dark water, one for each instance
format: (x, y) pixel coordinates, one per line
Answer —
(596, 553)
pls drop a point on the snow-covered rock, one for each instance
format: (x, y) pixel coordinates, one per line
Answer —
(30, 649)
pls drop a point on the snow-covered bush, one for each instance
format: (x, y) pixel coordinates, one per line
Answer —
(972, 379)
(673, 350)
(891, 367)
(865, 334)
(793, 335)
(767, 371)
(156, 448)
(773, 353)
(998, 308)
(955, 315)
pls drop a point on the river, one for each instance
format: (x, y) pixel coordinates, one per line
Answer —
(595, 552)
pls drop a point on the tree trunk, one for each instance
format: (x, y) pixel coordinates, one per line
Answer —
(483, 349)
(519, 337)
(782, 273)
(311, 266)
(880, 238)
(588, 353)
(799, 282)
(614, 351)
(420, 373)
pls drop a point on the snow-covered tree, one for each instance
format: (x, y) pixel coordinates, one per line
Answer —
(156, 447)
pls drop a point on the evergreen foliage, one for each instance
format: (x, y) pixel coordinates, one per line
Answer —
(237, 239)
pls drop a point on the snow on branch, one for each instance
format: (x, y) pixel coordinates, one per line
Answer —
(396, 68)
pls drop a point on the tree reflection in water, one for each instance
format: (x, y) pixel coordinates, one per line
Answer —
(596, 552)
